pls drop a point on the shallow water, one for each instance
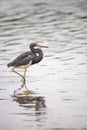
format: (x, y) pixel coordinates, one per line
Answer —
(57, 86)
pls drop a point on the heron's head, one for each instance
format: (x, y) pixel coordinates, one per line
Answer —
(37, 46)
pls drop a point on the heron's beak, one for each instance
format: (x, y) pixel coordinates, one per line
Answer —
(40, 46)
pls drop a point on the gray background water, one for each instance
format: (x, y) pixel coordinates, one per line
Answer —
(59, 81)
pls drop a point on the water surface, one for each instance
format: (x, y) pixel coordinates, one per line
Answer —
(57, 86)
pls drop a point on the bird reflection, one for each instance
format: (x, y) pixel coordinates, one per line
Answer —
(29, 99)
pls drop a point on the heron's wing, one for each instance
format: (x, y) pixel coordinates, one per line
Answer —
(22, 56)
(22, 59)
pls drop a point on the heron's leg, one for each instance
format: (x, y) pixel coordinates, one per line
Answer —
(23, 76)
(25, 73)
(17, 72)
(23, 79)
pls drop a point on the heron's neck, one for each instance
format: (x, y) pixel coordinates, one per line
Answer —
(38, 55)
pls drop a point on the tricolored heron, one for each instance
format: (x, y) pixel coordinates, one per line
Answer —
(26, 59)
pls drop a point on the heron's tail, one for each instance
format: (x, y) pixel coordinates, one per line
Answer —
(9, 65)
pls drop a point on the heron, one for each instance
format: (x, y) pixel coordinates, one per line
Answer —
(26, 59)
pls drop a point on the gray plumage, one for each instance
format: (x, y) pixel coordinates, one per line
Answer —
(35, 55)
(22, 59)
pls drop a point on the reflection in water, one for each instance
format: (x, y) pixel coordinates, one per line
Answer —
(28, 99)
(34, 107)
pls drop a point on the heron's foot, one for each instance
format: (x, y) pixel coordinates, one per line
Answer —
(23, 79)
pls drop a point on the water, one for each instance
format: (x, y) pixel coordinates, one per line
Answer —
(57, 86)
